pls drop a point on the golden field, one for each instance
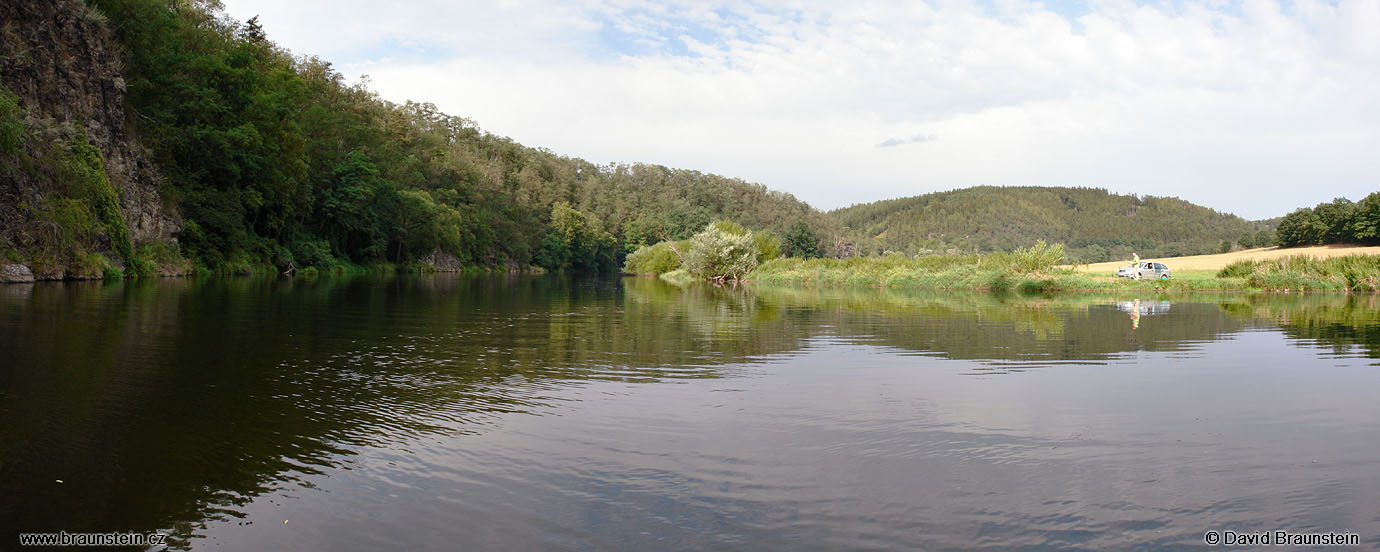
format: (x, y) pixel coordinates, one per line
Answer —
(1217, 261)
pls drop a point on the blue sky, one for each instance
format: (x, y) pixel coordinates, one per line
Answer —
(1251, 106)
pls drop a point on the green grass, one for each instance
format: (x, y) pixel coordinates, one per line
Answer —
(1031, 269)
(997, 273)
(1351, 273)
(1034, 271)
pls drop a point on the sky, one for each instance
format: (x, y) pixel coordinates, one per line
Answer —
(1251, 107)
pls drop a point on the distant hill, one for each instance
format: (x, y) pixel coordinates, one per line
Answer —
(1094, 224)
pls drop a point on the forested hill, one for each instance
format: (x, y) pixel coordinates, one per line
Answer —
(270, 160)
(1094, 224)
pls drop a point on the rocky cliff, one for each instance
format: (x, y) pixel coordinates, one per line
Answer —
(63, 122)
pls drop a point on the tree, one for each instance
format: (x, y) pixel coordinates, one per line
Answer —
(801, 241)
(1365, 223)
(1334, 220)
(352, 206)
(253, 31)
(1298, 228)
(767, 244)
(642, 231)
(575, 241)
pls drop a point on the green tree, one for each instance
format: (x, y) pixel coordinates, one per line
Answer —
(1365, 224)
(1300, 227)
(642, 231)
(352, 209)
(767, 244)
(1334, 220)
(801, 241)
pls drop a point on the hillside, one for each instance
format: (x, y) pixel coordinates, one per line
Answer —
(1094, 224)
(226, 150)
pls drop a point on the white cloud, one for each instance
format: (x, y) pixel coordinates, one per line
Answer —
(915, 139)
(1251, 108)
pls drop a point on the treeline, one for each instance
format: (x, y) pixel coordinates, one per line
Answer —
(275, 159)
(1094, 225)
(1339, 221)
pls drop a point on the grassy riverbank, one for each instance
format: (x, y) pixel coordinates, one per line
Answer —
(966, 273)
(1358, 273)
(1023, 271)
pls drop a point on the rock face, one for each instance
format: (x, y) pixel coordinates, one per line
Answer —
(62, 61)
(15, 273)
(442, 261)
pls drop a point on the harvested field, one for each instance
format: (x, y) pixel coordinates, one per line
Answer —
(1216, 262)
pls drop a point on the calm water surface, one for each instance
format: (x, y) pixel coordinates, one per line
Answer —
(453, 412)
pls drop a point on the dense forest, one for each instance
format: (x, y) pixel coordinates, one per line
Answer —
(1094, 225)
(1339, 221)
(274, 160)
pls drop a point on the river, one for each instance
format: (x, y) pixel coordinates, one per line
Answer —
(531, 413)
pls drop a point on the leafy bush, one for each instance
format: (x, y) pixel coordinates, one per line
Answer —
(719, 255)
(1036, 258)
(90, 266)
(82, 168)
(313, 252)
(712, 254)
(768, 245)
(652, 260)
(1238, 269)
(11, 122)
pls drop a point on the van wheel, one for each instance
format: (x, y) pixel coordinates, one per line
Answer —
(1164, 276)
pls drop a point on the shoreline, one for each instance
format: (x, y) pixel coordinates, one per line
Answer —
(1357, 273)
(11, 275)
